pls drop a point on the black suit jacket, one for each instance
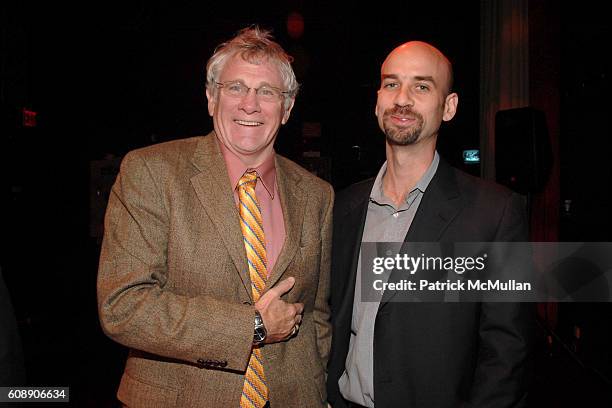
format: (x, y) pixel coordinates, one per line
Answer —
(430, 355)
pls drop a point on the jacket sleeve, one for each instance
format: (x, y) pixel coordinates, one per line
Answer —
(505, 332)
(135, 307)
(322, 312)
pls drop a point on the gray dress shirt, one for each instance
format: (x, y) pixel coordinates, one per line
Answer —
(384, 223)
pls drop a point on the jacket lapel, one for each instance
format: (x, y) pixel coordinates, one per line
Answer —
(293, 201)
(212, 187)
(440, 205)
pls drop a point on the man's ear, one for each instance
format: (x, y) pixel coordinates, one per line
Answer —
(287, 111)
(211, 101)
(450, 106)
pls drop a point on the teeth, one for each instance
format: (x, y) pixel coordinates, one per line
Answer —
(247, 123)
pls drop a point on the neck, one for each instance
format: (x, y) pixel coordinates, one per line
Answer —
(250, 161)
(405, 167)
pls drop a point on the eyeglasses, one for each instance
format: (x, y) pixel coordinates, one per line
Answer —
(237, 89)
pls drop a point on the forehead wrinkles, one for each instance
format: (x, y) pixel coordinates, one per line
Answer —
(238, 68)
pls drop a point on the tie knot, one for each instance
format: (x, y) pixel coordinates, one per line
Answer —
(248, 179)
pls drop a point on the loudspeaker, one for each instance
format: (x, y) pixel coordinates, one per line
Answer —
(523, 156)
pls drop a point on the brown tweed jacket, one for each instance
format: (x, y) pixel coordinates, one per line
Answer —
(173, 282)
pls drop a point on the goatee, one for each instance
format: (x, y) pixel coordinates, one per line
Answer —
(398, 135)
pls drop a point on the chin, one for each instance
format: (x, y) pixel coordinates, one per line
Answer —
(249, 149)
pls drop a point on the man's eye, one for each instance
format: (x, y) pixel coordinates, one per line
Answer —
(267, 91)
(391, 85)
(235, 88)
(422, 87)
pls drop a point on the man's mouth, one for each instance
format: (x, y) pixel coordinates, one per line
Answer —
(403, 118)
(400, 120)
(247, 122)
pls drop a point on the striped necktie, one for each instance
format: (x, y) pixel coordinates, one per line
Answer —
(255, 389)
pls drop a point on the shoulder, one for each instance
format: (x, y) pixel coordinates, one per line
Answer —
(176, 157)
(352, 196)
(308, 181)
(487, 211)
(477, 190)
(167, 151)
(493, 202)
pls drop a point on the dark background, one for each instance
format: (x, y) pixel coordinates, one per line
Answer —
(106, 77)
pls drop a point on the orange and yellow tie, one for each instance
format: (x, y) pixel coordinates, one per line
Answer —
(255, 389)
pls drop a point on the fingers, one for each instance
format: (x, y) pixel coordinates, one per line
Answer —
(297, 319)
(283, 286)
(275, 292)
(299, 308)
(282, 319)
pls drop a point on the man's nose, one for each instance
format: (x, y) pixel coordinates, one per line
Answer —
(250, 102)
(404, 97)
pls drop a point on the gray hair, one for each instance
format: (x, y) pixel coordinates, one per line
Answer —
(255, 46)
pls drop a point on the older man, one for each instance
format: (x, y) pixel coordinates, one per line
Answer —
(215, 261)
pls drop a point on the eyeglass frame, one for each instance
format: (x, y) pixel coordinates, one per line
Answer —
(283, 94)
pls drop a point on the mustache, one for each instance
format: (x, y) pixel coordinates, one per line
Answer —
(403, 111)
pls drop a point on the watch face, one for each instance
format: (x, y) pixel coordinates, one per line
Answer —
(260, 330)
(259, 335)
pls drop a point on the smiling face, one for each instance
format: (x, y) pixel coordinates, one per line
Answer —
(247, 125)
(414, 98)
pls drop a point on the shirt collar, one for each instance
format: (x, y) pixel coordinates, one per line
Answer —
(377, 193)
(266, 172)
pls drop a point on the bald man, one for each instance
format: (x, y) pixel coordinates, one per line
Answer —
(398, 354)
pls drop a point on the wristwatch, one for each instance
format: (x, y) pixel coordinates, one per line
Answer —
(260, 333)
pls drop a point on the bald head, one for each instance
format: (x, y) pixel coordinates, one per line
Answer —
(421, 51)
(414, 96)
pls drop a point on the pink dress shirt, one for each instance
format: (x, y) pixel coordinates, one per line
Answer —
(266, 191)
